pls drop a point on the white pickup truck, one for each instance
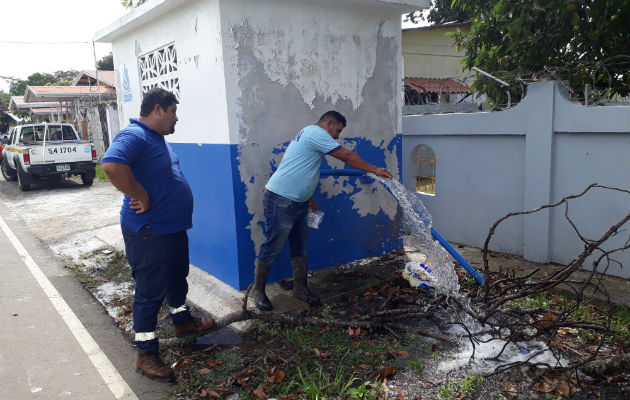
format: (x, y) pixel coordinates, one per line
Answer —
(37, 151)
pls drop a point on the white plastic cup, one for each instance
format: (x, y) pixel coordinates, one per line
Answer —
(315, 218)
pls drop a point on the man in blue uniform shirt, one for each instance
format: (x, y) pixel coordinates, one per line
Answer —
(288, 197)
(156, 212)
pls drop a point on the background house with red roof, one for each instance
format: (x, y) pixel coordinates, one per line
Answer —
(90, 104)
(435, 81)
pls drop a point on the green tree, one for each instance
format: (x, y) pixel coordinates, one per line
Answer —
(65, 78)
(441, 11)
(58, 78)
(132, 3)
(584, 42)
(5, 120)
(106, 63)
(5, 98)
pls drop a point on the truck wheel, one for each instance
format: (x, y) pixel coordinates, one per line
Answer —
(87, 179)
(8, 172)
(22, 178)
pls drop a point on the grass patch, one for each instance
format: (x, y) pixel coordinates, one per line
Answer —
(585, 312)
(418, 366)
(425, 185)
(100, 174)
(308, 362)
(100, 266)
(456, 388)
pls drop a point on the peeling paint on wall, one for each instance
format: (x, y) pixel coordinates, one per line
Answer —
(312, 58)
(274, 110)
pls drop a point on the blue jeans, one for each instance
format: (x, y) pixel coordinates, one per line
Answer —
(284, 219)
(159, 265)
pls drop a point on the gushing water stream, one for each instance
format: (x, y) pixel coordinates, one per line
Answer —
(417, 224)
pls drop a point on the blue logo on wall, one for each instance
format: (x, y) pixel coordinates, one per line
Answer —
(126, 86)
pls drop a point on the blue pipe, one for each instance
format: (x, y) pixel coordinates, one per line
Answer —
(458, 257)
(341, 172)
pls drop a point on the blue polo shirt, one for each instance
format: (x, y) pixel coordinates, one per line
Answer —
(156, 167)
(298, 174)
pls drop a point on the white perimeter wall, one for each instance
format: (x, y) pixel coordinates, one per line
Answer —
(546, 148)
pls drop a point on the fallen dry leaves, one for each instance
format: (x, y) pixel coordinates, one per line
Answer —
(385, 372)
(547, 319)
(260, 394)
(277, 377)
(566, 331)
(321, 353)
(354, 332)
(555, 386)
(325, 329)
(209, 393)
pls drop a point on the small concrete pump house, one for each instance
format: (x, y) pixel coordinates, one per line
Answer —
(250, 74)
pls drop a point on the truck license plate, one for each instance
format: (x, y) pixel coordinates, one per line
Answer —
(63, 167)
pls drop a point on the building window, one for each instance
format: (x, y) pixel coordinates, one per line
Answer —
(159, 69)
(425, 169)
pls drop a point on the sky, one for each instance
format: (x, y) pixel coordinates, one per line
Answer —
(52, 21)
(34, 35)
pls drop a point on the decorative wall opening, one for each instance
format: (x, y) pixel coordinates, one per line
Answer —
(159, 69)
(424, 161)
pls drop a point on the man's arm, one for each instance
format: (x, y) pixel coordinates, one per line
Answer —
(352, 159)
(122, 178)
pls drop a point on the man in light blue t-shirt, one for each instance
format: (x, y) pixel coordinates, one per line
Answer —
(288, 197)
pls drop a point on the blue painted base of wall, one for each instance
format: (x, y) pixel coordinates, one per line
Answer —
(213, 241)
(221, 245)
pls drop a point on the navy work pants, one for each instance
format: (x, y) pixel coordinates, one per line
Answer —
(159, 265)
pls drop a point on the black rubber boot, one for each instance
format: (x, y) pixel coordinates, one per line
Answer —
(300, 289)
(261, 273)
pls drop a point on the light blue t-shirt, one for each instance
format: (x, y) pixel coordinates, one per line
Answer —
(298, 174)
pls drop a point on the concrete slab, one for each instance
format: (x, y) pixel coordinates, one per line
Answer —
(112, 236)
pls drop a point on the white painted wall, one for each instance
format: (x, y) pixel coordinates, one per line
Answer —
(195, 30)
(546, 148)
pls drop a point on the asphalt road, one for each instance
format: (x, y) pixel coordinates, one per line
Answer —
(57, 341)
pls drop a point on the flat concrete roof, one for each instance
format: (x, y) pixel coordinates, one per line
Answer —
(154, 8)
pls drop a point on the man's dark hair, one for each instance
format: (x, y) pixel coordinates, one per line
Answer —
(156, 96)
(333, 115)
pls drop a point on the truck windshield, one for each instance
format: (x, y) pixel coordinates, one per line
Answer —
(55, 132)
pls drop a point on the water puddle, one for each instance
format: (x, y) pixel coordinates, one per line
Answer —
(488, 353)
(224, 336)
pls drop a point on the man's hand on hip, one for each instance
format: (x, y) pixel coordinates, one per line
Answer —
(141, 205)
(122, 178)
